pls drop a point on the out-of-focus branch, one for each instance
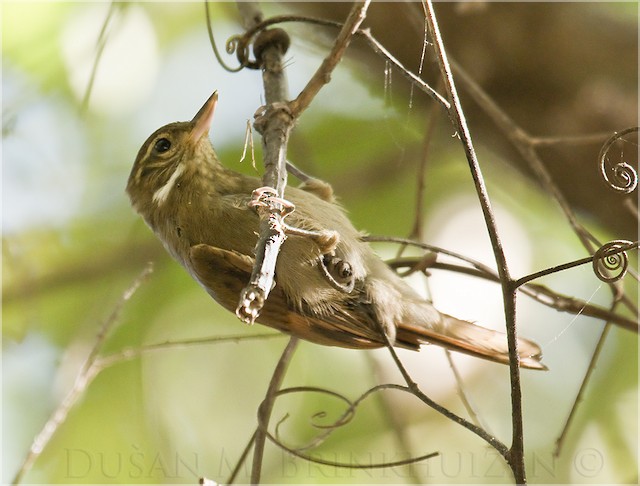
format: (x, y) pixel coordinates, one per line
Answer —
(87, 373)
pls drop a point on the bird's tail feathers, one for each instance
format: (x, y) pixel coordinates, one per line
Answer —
(469, 338)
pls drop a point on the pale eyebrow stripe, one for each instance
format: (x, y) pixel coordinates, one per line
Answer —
(160, 196)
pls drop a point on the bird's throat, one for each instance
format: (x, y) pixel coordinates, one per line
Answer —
(161, 195)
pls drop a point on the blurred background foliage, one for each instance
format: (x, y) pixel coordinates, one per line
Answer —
(72, 245)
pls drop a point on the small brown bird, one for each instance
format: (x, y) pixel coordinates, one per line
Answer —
(339, 294)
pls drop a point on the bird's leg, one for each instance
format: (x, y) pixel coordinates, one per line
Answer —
(267, 198)
(319, 188)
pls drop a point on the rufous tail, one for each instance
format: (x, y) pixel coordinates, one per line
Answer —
(468, 338)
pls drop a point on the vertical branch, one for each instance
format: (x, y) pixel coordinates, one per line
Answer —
(516, 453)
(274, 124)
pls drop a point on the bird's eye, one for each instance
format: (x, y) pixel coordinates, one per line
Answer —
(162, 145)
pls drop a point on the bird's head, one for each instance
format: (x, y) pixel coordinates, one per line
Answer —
(172, 154)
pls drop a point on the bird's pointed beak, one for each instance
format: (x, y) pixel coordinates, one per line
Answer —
(202, 120)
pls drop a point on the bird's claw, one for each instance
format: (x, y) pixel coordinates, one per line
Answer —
(267, 197)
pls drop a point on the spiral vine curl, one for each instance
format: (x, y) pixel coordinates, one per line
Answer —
(621, 176)
(315, 420)
(328, 429)
(611, 261)
(239, 43)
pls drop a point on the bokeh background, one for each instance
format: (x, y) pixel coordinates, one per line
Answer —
(72, 245)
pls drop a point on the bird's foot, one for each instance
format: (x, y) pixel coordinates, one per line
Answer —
(338, 273)
(267, 197)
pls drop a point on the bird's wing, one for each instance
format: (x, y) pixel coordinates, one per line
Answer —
(224, 274)
(351, 323)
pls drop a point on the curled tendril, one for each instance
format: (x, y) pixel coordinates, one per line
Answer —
(212, 41)
(232, 43)
(317, 417)
(621, 177)
(240, 45)
(610, 262)
(342, 420)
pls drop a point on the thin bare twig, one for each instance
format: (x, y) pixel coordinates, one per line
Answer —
(583, 386)
(100, 45)
(376, 47)
(212, 41)
(540, 293)
(242, 459)
(568, 140)
(418, 393)
(575, 263)
(344, 419)
(357, 465)
(128, 354)
(323, 74)
(326, 430)
(462, 393)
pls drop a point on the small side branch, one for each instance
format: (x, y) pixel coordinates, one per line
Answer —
(540, 293)
(583, 386)
(323, 75)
